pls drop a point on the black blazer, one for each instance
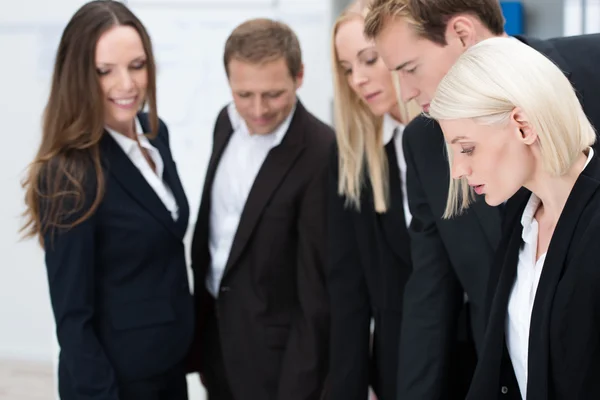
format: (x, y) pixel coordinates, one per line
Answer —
(369, 263)
(118, 281)
(272, 308)
(444, 266)
(564, 344)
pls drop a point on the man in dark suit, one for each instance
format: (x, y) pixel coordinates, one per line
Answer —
(259, 242)
(421, 40)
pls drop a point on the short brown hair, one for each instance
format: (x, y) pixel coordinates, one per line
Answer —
(263, 40)
(429, 18)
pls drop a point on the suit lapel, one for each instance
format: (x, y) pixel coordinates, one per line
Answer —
(171, 177)
(132, 181)
(504, 272)
(393, 221)
(222, 135)
(275, 167)
(539, 343)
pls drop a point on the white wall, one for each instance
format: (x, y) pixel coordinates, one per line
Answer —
(581, 17)
(188, 38)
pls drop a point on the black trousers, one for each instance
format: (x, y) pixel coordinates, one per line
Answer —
(214, 376)
(169, 386)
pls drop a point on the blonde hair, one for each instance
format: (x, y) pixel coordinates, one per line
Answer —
(494, 77)
(359, 132)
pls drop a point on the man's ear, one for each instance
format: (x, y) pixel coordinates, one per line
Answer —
(300, 77)
(526, 131)
(461, 28)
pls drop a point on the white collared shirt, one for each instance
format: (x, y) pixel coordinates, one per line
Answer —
(522, 295)
(239, 165)
(389, 124)
(155, 179)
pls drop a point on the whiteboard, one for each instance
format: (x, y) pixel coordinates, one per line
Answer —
(37, 11)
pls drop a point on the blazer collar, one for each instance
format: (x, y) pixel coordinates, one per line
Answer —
(274, 169)
(393, 221)
(118, 165)
(585, 187)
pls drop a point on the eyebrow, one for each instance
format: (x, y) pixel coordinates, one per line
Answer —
(365, 49)
(403, 65)
(456, 139)
(140, 58)
(358, 54)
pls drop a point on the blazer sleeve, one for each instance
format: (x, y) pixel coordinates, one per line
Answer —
(432, 298)
(70, 262)
(304, 365)
(350, 306)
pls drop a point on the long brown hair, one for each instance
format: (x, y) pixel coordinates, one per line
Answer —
(68, 160)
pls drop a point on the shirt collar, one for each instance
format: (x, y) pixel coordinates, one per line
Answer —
(389, 124)
(238, 123)
(126, 143)
(589, 157)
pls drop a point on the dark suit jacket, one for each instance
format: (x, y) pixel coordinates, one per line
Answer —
(369, 263)
(272, 308)
(118, 281)
(564, 344)
(454, 256)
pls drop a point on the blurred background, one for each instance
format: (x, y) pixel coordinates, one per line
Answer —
(188, 38)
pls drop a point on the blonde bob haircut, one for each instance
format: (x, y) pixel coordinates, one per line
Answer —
(359, 133)
(494, 77)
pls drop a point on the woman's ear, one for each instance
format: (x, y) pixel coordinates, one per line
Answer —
(526, 131)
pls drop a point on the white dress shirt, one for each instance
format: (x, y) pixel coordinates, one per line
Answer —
(389, 124)
(239, 165)
(522, 295)
(154, 179)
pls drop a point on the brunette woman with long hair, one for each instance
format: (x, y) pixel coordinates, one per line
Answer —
(104, 198)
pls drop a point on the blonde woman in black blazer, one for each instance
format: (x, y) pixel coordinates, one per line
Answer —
(369, 254)
(516, 131)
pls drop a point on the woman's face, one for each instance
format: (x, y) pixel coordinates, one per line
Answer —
(365, 72)
(123, 76)
(496, 160)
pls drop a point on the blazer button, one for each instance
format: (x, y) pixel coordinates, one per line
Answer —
(504, 389)
(225, 289)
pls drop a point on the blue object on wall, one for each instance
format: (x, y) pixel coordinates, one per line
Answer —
(513, 13)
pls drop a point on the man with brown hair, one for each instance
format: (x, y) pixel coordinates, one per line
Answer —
(259, 241)
(421, 40)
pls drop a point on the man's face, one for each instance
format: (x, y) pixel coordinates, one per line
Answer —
(421, 63)
(264, 94)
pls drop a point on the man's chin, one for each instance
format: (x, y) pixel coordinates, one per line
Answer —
(262, 129)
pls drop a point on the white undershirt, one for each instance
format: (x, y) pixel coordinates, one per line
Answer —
(522, 295)
(239, 165)
(155, 179)
(389, 124)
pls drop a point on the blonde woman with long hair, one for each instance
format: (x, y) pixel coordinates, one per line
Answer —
(516, 131)
(369, 256)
